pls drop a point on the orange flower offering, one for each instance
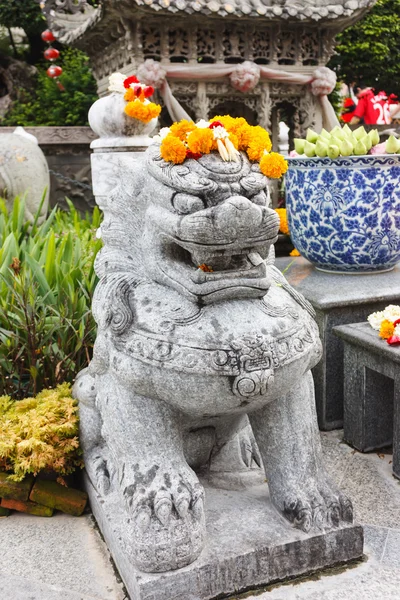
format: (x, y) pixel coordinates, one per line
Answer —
(283, 226)
(273, 165)
(173, 150)
(200, 141)
(142, 111)
(387, 322)
(224, 134)
(386, 330)
(136, 95)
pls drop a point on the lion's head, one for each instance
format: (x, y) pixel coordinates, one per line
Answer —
(207, 228)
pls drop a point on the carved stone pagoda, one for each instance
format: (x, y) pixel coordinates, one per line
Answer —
(291, 37)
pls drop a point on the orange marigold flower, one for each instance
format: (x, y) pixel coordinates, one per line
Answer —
(200, 141)
(206, 268)
(130, 95)
(182, 128)
(142, 111)
(259, 141)
(173, 150)
(283, 226)
(386, 330)
(273, 165)
(294, 252)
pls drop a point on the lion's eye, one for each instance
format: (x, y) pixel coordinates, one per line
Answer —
(185, 204)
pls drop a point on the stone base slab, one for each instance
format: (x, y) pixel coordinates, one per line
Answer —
(249, 545)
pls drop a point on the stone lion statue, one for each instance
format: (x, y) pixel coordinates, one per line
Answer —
(202, 360)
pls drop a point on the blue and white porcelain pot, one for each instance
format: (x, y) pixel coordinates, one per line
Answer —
(344, 214)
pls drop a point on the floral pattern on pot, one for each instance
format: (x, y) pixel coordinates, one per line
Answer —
(344, 214)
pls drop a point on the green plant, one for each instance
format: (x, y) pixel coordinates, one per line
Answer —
(47, 280)
(369, 51)
(47, 105)
(40, 434)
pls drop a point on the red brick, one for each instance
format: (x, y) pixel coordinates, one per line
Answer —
(15, 490)
(27, 507)
(54, 495)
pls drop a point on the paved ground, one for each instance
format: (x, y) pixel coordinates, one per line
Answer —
(64, 558)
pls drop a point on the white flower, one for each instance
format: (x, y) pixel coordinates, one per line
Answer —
(220, 133)
(164, 131)
(392, 313)
(98, 233)
(116, 81)
(203, 124)
(376, 319)
(397, 330)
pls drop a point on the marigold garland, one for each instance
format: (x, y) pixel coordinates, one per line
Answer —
(142, 111)
(273, 165)
(225, 134)
(200, 141)
(173, 150)
(182, 128)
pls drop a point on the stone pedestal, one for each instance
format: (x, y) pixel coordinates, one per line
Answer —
(371, 391)
(337, 300)
(265, 548)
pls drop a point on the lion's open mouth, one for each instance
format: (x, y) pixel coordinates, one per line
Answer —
(208, 271)
(214, 267)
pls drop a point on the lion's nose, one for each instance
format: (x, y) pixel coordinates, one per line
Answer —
(238, 215)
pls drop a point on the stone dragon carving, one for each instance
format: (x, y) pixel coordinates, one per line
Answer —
(186, 358)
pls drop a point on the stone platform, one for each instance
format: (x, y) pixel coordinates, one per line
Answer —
(338, 300)
(249, 545)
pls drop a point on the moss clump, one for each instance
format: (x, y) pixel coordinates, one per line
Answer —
(40, 434)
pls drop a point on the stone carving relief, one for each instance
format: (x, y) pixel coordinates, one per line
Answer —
(286, 48)
(234, 42)
(206, 45)
(151, 41)
(182, 351)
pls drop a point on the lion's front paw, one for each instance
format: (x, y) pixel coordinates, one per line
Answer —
(318, 505)
(167, 504)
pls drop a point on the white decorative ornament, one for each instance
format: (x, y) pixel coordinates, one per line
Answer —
(324, 81)
(245, 76)
(152, 73)
(116, 83)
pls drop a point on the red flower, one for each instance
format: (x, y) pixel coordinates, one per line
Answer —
(129, 80)
(195, 155)
(394, 339)
(137, 89)
(215, 124)
(148, 91)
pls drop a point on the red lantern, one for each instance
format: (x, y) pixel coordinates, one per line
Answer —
(51, 54)
(47, 36)
(54, 71)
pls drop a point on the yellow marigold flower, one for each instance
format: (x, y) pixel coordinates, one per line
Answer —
(130, 95)
(182, 128)
(295, 252)
(273, 165)
(259, 141)
(283, 226)
(142, 111)
(386, 330)
(200, 141)
(173, 150)
(227, 121)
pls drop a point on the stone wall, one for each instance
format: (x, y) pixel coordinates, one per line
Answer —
(67, 150)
